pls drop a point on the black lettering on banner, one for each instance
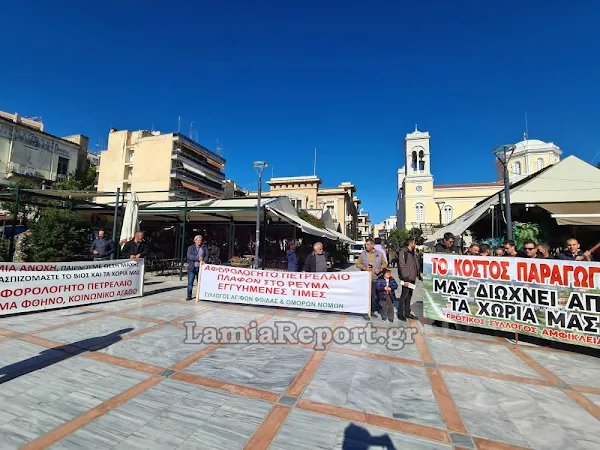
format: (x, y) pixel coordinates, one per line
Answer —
(517, 294)
(589, 302)
(460, 305)
(573, 321)
(451, 287)
(509, 311)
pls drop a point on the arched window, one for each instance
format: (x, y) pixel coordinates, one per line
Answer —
(420, 212)
(539, 164)
(413, 163)
(517, 168)
(448, 212)
(421, 161)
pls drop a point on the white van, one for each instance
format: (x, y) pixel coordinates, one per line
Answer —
(355, 250)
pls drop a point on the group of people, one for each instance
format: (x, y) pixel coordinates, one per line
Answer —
(531, 249)
(383, 285)
(103, 248)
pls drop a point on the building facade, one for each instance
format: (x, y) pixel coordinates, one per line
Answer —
(530, 156)
(365, 228)
(422, 204)
(383, 229)
(305, 192)
(151, 161)
(29, 153)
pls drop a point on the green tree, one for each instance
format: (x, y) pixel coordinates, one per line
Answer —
(308, 217)
(417, 233)
(81, 180)
(58, 235)
(4, 245)
(29, 207)
(398, 237)
(524, 231)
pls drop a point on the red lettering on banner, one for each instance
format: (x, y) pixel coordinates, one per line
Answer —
(439, 266)
(557, 275)
(481, 269)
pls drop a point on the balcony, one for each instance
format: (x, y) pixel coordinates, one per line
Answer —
(197, 180)
(198, 163)
(18, 169)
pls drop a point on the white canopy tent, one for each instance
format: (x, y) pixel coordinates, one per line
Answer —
(569, 190)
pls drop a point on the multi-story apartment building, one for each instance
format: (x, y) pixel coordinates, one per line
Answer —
(383, 229)
(27, 152)
(365, 229)
(305, 193)
(152, 161)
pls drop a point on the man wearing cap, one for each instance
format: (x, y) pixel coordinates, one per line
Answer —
(195, 258)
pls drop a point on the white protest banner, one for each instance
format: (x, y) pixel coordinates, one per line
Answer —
(28, 287)
(327, 291)
(61, 266)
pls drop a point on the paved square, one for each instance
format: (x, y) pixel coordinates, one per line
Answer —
(96, 331)
(574, 369)
(334, 433)
(448, 388)
(38, 402)
(269, 367)
(163, 347)
(479, 356)
(27, 323)
(173, 415)
(379, 387)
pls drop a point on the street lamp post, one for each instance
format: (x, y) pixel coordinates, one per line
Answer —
(440, 205)
(260, 167)
(503, 154)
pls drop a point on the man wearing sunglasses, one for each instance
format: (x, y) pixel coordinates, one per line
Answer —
(446, 245)
(530, 249)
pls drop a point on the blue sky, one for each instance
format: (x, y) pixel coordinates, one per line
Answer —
(272, 80)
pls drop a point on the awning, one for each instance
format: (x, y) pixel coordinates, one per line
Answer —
(303, 225)
(462, 223)
(577, 219)
(572, 180)
(341, 237)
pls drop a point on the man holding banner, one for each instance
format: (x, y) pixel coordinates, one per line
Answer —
(195, 258)
(372, 261)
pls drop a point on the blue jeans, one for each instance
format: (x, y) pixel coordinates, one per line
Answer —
(192, 275)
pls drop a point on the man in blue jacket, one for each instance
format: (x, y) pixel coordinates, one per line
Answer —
(292, 258)
(196, 253)
(102, 248)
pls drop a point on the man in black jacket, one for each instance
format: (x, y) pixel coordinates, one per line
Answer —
(318, 260)
(135, 248)
(409, 270)
(447, 245)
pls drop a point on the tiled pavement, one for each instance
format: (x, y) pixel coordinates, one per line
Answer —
(119, 376)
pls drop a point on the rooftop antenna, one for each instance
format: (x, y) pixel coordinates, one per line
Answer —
(191, 127)
(315, 165)
(179, 124)
(272, 172)
(219, 151)
(526, 134)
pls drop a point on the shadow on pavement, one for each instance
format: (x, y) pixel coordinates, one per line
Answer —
(57, 354)
(358, 438)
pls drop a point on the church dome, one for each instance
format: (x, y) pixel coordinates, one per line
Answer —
(531, 143)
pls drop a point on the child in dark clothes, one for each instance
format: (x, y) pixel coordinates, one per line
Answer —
(386, 290)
